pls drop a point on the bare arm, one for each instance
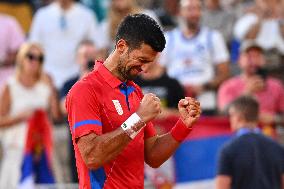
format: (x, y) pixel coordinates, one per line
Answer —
(98, 150)
(223, 182)
(253, 32)
(222, 73)
(54, 106)
(5, 103)
(159, 148)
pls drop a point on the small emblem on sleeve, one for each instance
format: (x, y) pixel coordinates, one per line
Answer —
(118, 107)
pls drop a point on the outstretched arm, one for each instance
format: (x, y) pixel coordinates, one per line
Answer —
(159, 148)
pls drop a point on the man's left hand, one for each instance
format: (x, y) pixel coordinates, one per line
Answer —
(189, 110)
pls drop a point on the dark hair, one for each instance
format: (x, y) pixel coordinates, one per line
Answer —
(139, 28)
(247, 106)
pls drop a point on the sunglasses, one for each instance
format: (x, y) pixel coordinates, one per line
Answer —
(33, 57)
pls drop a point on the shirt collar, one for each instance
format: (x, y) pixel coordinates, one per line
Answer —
(108, 76)
(245, 130)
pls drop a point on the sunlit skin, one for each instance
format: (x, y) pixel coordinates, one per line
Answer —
(251, 60)
(190, 11)
(31, 67)
(122, 5)
(85, 53)
(131, 62)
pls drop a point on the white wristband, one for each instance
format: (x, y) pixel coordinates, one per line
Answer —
(131, 124)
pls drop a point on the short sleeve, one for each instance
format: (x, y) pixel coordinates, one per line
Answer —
(149, 130)
(83, 111)
(224, 163)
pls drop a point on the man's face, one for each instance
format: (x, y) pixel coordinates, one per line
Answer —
(190, 11)
(234, 117)
(86, 53)
(251, 60)
(133, 62)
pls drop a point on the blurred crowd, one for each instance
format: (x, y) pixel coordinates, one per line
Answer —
(216, 51)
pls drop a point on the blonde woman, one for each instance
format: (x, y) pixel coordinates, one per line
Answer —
(27, 91)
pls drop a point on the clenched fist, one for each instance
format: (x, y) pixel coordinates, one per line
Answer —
(189, 110)
(149, 108)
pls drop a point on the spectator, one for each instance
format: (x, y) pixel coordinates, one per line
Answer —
(27, 91)
(217, 18)
(263, 23)
(11, 37)
(86, 54)
(155, 80)
(249, 160)
(193, 53)
(167, 13)
(117, 11)
(85, 57)
(59, 28)
(238, 7)
(20, 9)
(252, 81)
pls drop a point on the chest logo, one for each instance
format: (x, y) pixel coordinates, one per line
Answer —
(118, 107)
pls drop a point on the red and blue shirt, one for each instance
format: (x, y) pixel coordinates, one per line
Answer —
(100, 103)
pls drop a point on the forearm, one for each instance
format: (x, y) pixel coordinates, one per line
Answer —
(162, 149)
(7, 121)
(54, 106)
(98, 150)
(253, 32)
(102, 149)
(222, 73)
(159, 149)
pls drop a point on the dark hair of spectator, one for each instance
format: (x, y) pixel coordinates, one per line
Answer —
(247, 106)
(139, 28)
(85, 42)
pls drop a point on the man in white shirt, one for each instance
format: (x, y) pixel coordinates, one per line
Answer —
(59, 28)
(196, 55)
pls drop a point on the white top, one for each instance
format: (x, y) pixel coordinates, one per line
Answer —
(192, 60)
(60, 33)
(13, 138)
(269, 35)
(23, 99)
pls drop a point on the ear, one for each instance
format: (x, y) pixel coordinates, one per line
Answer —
(121, 46)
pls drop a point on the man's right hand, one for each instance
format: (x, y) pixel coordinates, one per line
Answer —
(254, 84)
(149, 108)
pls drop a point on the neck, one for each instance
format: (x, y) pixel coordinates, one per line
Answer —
(190, 31)
(111, 64)
(65, 5)
(248, 125)
(247, 75)
(27, 80)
